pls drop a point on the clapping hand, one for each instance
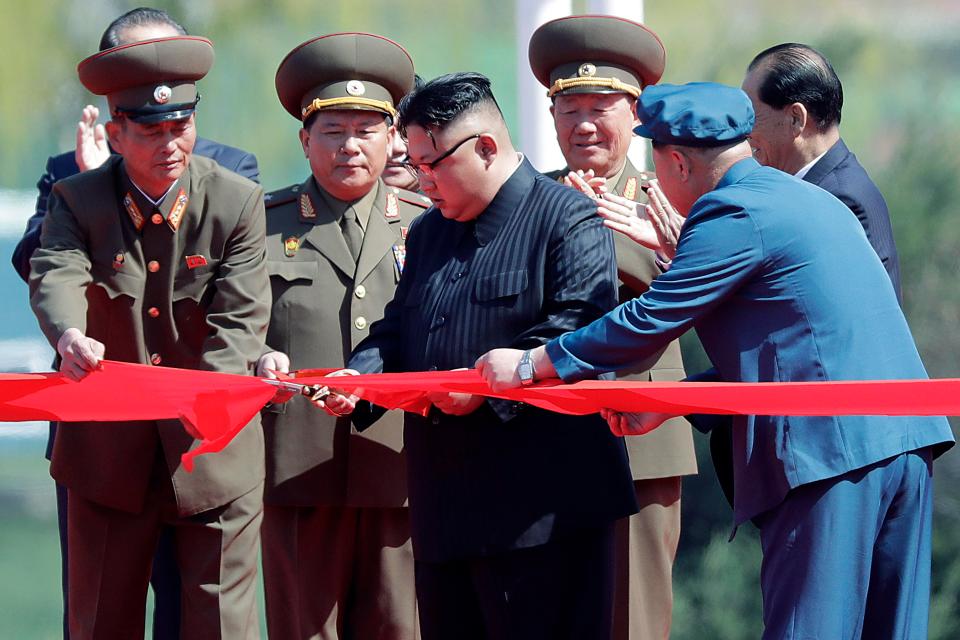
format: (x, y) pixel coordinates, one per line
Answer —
(656, 225)
(586, 183)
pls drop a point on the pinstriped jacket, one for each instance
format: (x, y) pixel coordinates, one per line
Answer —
(536, 263)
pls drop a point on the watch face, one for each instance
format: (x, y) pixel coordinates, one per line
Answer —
(525, 371)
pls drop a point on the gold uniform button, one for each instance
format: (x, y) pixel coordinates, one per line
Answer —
(153, 312)
(156, 218)
(156, 359)
(360, 291)
(360, 323)
(153, 266)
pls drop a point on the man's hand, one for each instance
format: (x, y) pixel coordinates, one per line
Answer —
(633, 424)
(499, 367)
(455, 404)
(586, 183)
(333, 401)
(92, 150)
(275, 361)
(79, 355)
(666, 220)
(655, 226)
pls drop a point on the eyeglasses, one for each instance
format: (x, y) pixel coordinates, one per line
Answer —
(426, 168)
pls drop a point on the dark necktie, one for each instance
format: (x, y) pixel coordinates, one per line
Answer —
(352, 232)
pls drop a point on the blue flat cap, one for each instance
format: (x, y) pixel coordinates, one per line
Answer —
(699, 114)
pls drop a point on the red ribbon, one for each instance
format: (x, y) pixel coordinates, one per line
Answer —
(409, 391)
(214, 407)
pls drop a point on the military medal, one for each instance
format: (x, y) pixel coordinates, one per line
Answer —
(133, 211)
(630, 189)
(393, 206)
(196, 261)
(118, 261)
(290, 246)
(306, 207)
(403, 233)
(400, 256)
(179, 207)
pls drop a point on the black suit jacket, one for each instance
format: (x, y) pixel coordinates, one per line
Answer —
(535, 264)
(840, 173)
(65, 165)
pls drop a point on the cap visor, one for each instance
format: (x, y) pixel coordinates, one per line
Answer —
(152, 118)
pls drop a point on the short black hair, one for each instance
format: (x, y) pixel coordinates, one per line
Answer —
(139, 17)
(442, 100)
(799, 73)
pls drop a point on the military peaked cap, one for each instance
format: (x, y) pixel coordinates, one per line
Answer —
(152, 80)
(344, 71)
(595, 54)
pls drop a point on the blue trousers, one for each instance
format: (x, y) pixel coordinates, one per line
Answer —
(849, 557)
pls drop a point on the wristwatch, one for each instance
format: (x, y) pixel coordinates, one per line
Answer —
(525, 369)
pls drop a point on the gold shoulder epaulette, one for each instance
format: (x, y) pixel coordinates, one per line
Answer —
(281, 196)
(412, 197)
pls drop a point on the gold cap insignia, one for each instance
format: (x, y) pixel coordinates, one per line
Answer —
(306, 207)
(290, 246)
(162, 94)
(356, 88)
(587, 70)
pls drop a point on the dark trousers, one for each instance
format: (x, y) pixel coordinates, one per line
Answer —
(164, 578)
(849, 557)
(562, 589)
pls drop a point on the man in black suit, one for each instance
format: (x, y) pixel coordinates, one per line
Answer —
(512, 507)
(92, 151)
(797, 98)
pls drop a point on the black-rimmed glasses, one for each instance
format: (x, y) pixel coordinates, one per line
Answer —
(426, 168)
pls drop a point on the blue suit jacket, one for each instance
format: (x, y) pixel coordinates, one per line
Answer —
(781, 285)
(840, 173)
(65, 165)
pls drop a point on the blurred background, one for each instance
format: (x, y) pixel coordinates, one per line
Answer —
(900, 67)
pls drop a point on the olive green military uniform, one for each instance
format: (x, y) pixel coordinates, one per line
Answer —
(338, 561)
(603, 54)
(184, 284)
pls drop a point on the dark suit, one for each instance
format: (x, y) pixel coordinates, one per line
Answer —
(840, 173)
(165, 578)
(757, 276)
(499, 489)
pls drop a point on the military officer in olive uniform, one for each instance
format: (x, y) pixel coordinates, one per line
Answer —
(337, 556)
(594, 68)
(156, 257)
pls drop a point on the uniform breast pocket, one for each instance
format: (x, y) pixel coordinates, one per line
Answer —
(501, 289)
(288, 272)
(111, 302)
(116, 284)
(193, 284)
